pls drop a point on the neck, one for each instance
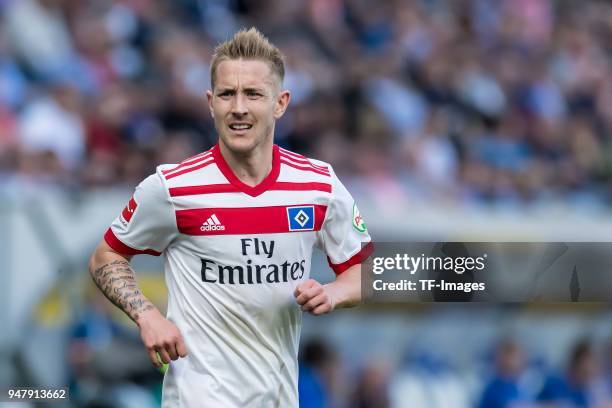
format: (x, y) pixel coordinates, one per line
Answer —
(251, 168)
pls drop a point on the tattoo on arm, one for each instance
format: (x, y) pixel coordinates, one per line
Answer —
(118, 283)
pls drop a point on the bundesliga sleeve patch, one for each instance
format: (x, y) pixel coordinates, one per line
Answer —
(301, 218)
(358, 222)
(128, 211)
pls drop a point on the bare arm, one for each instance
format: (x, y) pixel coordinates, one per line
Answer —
(346, 289)
(114, 276)
(112, 273)
(319, 299)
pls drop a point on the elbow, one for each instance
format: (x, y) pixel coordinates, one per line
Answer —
(91, 264)
(94, 261)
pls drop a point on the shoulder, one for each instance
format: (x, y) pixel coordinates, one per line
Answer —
(152, 189)
(304, 164)
(194, 166)
(201, 169)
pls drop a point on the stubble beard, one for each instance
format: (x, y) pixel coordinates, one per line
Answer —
(239, 147)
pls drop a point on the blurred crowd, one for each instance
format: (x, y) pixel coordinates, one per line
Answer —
(509, 378)
(469, 101)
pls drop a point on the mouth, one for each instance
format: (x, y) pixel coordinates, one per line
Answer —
(236, 126)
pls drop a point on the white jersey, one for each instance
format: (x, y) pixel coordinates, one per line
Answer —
(233, 257)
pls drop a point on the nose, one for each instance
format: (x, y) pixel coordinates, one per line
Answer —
(239, 105)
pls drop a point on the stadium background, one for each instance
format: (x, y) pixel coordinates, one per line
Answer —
(448, 120)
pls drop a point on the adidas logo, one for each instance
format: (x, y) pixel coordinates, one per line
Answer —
(212, 224)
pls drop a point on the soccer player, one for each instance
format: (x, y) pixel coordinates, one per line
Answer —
(237, 225)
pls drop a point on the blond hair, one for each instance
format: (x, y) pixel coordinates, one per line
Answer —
(248, 44)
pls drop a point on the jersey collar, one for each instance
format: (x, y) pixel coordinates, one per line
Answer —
(254, 191)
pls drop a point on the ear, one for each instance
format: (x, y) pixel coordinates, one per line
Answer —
(209, 97)
(282, 101)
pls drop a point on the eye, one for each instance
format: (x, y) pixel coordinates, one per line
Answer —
(253, 94)
(225, 94)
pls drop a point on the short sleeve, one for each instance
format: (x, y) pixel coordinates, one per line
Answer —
(147, 225)
(344, 236)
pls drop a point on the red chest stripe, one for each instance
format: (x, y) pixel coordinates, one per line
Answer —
(205, 189)
(253, 220)
(230, 188)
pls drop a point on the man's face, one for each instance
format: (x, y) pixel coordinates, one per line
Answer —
(245, 102)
